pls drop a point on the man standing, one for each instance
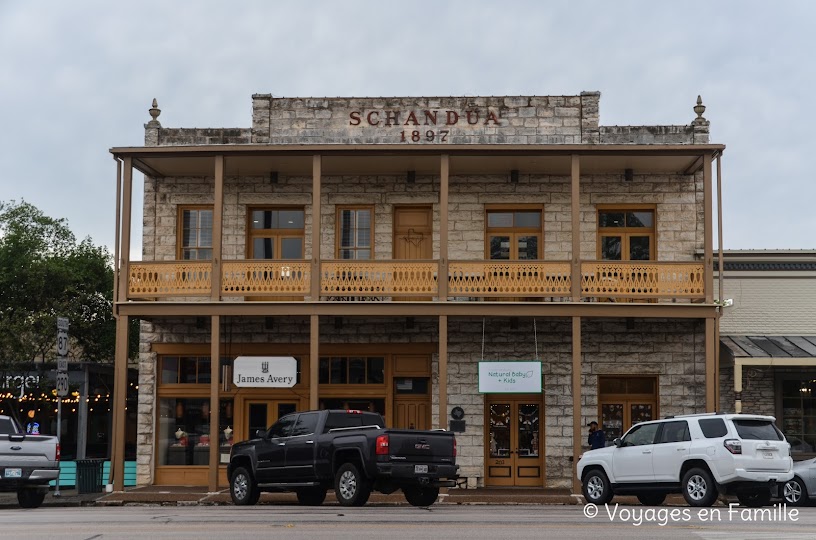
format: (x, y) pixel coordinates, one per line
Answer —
(597, 437)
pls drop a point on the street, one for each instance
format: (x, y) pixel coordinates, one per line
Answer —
(442, 521)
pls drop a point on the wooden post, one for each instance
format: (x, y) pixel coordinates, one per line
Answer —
(444, 172)
(116, 260)
(710, 382)
(577, 416)
(443, 372)
(720, 274)
(314, 361)
(124, 271)
(576, 228)
(215, 376)
(117, 470)
(316, 213)
(218, 213)
(708, 231)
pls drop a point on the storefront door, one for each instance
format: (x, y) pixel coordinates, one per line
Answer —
(260, 414)
(513, 446)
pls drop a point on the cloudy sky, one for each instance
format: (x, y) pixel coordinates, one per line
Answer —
(78, 78)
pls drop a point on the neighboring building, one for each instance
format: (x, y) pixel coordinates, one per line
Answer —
(768, 340)
(321, 233)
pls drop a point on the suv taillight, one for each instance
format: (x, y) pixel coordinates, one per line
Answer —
(58, 452)
(381, 448)
(733, 445)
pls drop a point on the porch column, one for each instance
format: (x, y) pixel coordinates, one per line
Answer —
(124, 260)
(710, 382)
(443, 372)
(708, 231)
(117, 469)
(215, 375)
(721, 288)
(316, 213)
(737, 385)
(444, 172)
(116, 269)
(218, 213)
(577, 416)
(576, 228)
(314, 360)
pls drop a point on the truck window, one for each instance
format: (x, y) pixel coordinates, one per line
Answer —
(306, 424)
(713, 428)
(342, 419)
(7, 426)
(283, 427)
(760, 430)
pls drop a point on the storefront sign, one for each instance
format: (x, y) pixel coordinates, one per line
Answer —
(264, 371)
(510, 377)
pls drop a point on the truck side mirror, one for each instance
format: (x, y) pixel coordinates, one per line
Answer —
(260, 434)
(617, 442)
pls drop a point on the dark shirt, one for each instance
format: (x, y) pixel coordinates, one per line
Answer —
(597, 439)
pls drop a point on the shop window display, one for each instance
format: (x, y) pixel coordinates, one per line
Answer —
(184, 430)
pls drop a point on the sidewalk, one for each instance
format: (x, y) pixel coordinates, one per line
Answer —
(198, 495)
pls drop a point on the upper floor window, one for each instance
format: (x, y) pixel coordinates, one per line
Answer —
(196, 233)
(355, 228)
(514, 234)
(275, 233)
(626, 234)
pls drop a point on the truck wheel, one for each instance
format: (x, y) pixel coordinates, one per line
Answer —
(30, 498)
(313, 496)
(243, 489)
(420, 496)
(596, 487)
(755, 499)
(350, 487)
(698, 487)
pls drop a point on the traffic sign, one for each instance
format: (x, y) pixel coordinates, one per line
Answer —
(62, 384)
(62, 343)
(62, 323)
(62, 365)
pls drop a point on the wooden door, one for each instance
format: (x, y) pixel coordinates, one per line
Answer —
(413, 237)
(514, 441)
(262, 413)
(411, 412)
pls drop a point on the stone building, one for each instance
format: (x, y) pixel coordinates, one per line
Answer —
(314, 241)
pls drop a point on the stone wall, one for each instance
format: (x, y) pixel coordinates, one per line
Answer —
(678, 200)
(672, 350)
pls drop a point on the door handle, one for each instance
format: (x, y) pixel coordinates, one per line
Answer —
(681, 449)
(281, 444)
(647, 451)
(309, 442)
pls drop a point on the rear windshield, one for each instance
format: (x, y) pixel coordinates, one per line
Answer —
(344, 419)
(760, 430)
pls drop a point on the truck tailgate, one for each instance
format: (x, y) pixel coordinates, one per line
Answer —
(421, 446)
(37, 451)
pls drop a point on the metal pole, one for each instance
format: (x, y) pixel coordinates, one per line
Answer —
(59, 432)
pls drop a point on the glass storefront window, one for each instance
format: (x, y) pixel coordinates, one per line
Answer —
(354, 370)
(799, 414)
(184, 430)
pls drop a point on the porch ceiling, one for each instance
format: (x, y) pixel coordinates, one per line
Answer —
(296, 160)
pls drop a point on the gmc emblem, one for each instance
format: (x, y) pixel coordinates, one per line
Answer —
(422, 446)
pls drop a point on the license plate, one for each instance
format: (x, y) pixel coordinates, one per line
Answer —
(768, 455)
(14, 473)
(421, 469)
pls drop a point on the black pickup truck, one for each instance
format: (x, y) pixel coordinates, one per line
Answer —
(310, 452)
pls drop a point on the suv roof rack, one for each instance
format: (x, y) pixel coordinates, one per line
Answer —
(717, 413)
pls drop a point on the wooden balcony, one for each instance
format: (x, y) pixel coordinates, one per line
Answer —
(391, 279)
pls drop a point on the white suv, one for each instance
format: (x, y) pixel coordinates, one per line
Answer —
(700, 456)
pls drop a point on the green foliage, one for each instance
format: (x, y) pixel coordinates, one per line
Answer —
(45, 274)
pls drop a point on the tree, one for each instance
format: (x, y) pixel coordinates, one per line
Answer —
(45, 274)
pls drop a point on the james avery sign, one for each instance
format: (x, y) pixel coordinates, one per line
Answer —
(264, 371)
(510, 377)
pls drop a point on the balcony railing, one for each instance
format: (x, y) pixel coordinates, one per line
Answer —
(383, 280)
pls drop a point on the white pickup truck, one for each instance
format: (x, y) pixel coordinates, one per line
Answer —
(27, 463)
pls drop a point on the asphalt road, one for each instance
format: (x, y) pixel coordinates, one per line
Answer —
(378, 522)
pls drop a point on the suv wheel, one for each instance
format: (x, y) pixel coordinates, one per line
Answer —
(794, 492)
(698, 487)
(243, 489)
(596, 487)
(755, 499)
(350, 487)
(651, 499)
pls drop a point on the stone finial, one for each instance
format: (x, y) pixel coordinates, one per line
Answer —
(700, 109)
(154, 114)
